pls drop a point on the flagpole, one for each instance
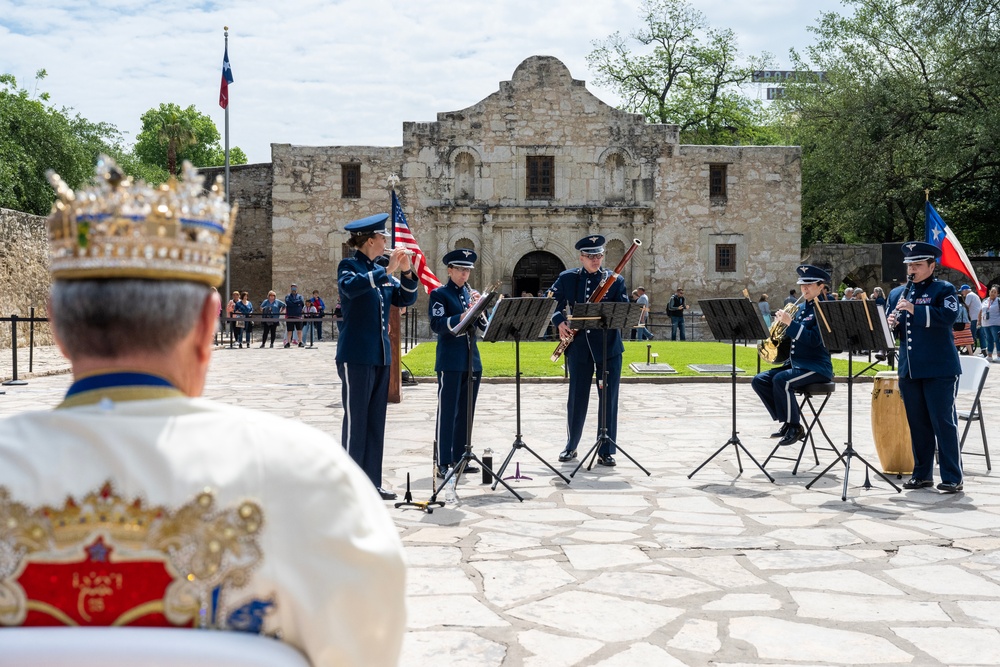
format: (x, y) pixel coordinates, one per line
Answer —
(226, 34)
(391, 182)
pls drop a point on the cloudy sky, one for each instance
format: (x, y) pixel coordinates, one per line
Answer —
(329, 72)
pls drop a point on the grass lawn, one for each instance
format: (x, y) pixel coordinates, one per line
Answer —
(498, 358)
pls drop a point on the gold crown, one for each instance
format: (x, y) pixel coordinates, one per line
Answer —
(117, 228)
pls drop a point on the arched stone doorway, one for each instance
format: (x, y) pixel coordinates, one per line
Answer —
(535, 271)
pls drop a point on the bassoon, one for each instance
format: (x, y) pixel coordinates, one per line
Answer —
(602, 289)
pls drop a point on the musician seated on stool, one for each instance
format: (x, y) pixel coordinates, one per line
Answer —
(446, 307)
(585, 355)
(808, 359)
(135, 502)
(921, 314)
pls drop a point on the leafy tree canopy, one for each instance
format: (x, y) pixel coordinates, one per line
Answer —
(910, 101)
(687, 73)
(36, 137)
(190, 134)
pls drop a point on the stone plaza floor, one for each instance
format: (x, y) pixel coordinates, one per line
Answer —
(620, 569)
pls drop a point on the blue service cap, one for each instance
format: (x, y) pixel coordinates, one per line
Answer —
(963, 287)
(919, 251)
(373, 224)
(810, 275)
(591, 245)
(461, 257)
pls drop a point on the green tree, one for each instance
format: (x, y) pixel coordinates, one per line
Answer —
(686, 73)
(171, 135)
(36, 137)
(910, 101)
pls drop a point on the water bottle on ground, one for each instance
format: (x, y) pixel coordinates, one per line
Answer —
(450, 493)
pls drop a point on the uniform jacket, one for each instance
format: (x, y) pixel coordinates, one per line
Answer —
(447, 305)
(366, 293)
(926, 344)
(576, 286)
(807, 350)
(305, 547)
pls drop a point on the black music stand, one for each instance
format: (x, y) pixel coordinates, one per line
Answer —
(853, 326)
(732, 320)
(514, 319)
(604, 315)
(468, 327)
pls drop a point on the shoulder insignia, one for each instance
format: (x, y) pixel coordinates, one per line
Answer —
(438, 309)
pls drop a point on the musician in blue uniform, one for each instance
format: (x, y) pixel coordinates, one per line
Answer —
(808, 359)
(921, 314)
(367, 290)
(448, 304)
(584, 356)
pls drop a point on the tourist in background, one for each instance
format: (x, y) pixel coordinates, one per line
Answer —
(973, 305)
(675, 309)
(270, 311)
(765, 310)
(990, 322)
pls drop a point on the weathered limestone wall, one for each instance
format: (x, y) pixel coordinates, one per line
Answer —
(310, 213)
(251, 255)
(760, 215)
(24, 275)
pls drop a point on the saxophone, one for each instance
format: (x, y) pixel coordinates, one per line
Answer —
(775, 348)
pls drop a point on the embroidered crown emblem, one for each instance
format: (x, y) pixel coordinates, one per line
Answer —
(117, 228)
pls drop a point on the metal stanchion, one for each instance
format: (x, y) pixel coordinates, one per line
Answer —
(13, 348)
(31, 341)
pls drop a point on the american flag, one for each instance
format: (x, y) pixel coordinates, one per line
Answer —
(404, 238)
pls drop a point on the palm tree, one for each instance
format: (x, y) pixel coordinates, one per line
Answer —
(174, 128)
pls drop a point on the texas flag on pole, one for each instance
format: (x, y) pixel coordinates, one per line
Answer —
(404, 238)
(227, 78)
(952, 254)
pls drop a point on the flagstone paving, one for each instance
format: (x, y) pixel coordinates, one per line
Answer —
(620, 568)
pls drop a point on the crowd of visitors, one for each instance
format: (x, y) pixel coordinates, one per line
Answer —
(302, 318)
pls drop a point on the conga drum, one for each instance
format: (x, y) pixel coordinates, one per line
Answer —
(889, 427)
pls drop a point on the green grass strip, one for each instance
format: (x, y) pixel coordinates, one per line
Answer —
(498, 358)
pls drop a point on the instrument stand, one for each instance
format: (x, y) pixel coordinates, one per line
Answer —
(852, 326)
(425, 505)
(468, 327)
(508, 320)
(732, 319)
(604, 315)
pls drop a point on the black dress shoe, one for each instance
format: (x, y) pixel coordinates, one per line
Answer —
(567, 455)
(793, 434)
(386, 495)
(441, 472)
(471, 469)
(608, 460)
(914, 483)
(780, 433)
(950, 487)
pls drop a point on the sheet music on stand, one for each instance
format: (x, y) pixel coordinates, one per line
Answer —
(733, 319)
(472, 314)
(617, 314)
(526, 317)
(854, 326)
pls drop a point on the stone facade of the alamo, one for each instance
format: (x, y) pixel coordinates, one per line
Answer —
(520, 177)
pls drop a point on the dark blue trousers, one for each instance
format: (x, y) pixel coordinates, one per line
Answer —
(930, 412)
(776, 390)
(581, 374)
(452, 414)
(364, 393)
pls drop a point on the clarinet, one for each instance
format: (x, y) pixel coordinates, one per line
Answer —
(907, 294)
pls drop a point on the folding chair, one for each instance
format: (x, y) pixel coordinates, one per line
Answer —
(971, 382)
(150, 647)
(807, 393)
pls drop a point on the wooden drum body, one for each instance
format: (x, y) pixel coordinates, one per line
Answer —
(889, 427)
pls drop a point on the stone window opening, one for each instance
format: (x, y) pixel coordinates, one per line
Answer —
(350, 181)
(717, 182)
(540, 182)
(465, 177)
(725, 258)
(614, 178)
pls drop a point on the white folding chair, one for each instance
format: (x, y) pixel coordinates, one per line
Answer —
(149, 647)
(971, 382)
